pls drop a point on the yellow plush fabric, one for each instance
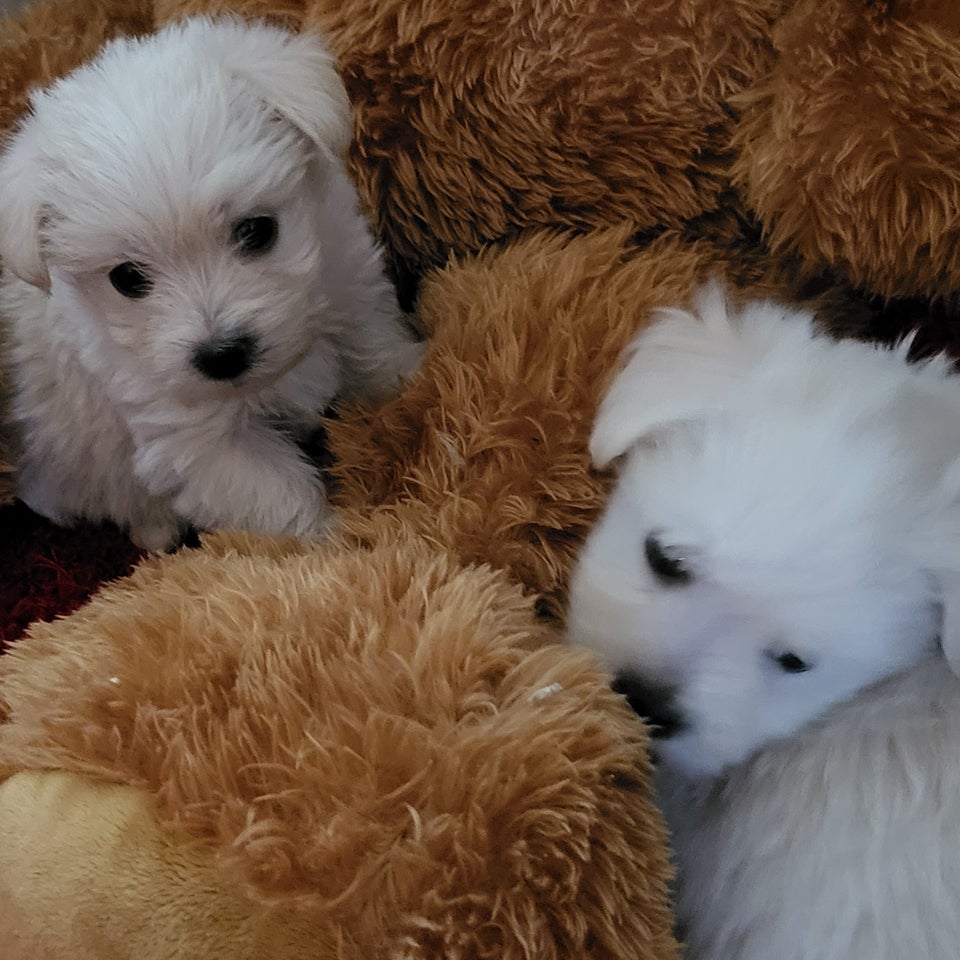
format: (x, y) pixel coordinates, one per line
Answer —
(86, 873)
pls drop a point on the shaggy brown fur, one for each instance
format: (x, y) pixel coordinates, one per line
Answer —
(849, 148)
(371, 736)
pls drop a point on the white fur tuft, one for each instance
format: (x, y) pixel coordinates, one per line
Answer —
(840, 844)
(717, 350)
(21, 208)
(294, 73)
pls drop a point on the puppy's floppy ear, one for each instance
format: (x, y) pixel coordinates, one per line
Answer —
(296, 75)
(685, 365)
(21, 205)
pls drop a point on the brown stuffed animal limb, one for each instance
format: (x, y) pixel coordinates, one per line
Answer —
(847, 148)
(374, 748)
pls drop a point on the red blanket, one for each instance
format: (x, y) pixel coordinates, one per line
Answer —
(47, 570)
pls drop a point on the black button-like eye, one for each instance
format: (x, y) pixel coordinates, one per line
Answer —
(255, 235)
(130, 280)
(790, 662)
(668, 566)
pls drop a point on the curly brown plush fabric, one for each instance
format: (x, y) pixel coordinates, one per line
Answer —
(848, 148)
(379, 738)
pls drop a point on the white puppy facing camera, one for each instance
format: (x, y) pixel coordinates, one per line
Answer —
(188, 282)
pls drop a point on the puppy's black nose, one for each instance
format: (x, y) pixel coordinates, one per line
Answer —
(655, 702)
(225, 358)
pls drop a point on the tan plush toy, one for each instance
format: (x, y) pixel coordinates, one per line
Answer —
(375, 747)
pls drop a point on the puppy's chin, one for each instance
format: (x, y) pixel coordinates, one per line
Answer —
(198, 390)
(689, 758)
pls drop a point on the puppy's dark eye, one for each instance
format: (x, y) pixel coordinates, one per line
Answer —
(255, 234)
(129, 279)
(790, 662)
(665, 562)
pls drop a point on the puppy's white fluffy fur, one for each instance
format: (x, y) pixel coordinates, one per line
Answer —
(837, 844)
(775, 579)
(154, 155)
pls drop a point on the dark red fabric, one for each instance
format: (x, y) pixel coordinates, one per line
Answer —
(47, 570)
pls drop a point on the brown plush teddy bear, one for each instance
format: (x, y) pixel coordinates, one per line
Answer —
(543, 176)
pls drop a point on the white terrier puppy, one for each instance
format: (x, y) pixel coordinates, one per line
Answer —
(768, 584)
(189, 282)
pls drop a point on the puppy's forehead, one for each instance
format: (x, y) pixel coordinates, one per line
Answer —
(779, 487)
(152, 135)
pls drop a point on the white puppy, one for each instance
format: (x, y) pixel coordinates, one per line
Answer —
(188, 282)
(768, 583)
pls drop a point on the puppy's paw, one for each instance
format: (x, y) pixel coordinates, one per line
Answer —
(36, 491)
(409, 359)
(323, 525)
(389, 373)
(156, 537)
(265, 487)
(310, 519)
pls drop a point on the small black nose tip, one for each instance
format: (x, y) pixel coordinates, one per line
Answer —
(225, 358)
(655, 702)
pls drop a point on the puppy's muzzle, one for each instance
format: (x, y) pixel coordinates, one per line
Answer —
(225, 358)
(655, 702)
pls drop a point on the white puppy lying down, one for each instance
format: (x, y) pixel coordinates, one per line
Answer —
(189, 282)
(769, 581)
